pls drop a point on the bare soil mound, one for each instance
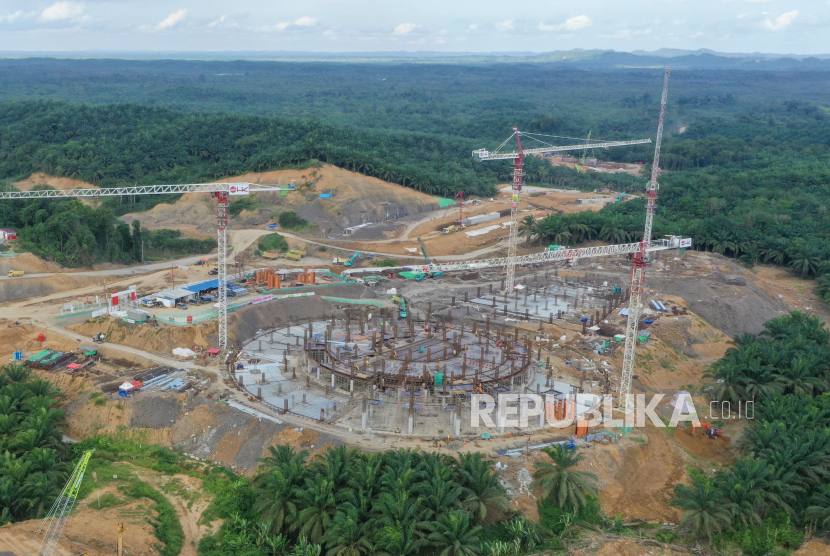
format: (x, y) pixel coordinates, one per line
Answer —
(39, 178)
(28, 263)
(355, 199)
(15, 289)
(156, 339)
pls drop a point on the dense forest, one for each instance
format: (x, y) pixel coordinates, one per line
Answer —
(75, 234)
(744, 156)
(778, 487)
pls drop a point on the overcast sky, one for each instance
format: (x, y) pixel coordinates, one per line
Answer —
(780, 26)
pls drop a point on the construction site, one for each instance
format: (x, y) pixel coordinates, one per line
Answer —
(221, 356)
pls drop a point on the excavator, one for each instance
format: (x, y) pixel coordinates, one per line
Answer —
(710, 431)
(402, 308)
(350, 262)
(429, 261)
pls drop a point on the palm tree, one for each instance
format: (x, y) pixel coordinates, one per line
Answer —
(706, 512)
(277, 494)
(283, 454)
(483, 492)
(401, 540)
(819, 508)
(454, 535)
(527, 227)
(318, 503)
(438, 496)
(348, 536)
(569, 485)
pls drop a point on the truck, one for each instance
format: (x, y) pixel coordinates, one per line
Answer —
(451, 229)
(13, 273)
(293, 256)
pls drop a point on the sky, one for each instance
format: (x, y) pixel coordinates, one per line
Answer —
(772, 26)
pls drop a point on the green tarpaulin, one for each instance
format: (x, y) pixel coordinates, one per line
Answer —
(444, 203)
(439, 379)
(412, 275)
(40, 355)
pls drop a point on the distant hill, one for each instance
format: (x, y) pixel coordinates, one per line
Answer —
(703, 58)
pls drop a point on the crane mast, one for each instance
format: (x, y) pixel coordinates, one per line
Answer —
(638, 271)
(219, 191)
(518, 181)
(518, 158)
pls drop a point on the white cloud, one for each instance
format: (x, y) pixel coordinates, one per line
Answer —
(781, 21)
(306, 21)
(570, 24)
(506, 25)
(404, 29)
(172, 19)
(753, 1)
(473, 27)
(578, 22)
(12, 17)
(282, 26)
(62, 10)
(219, 21)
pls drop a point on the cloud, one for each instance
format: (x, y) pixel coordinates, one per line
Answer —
(578, 22)
(571, 24)
(473, 27)
(404, 29)
(506, 25)
(781, 21)
(62, 10)
(12, 17)
(306, 21)
(172, 19)
(282, 26)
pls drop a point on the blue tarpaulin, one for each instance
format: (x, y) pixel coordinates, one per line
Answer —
(202, 286)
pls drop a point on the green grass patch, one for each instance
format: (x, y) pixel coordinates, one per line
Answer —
(166, 525)
(386, 262)
(637, 439)
(272, 242)
(291, 220)
(108, 500)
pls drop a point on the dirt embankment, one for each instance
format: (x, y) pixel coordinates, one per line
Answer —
(156, 339)
(356, 199)
(17, 289)
(195, 424)
(62, 184)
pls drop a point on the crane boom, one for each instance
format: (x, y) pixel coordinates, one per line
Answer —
(55, 521)
(230, 188)
(638, 271)
(518, 182)
(562, 254)
(484, 154)
(424, 251)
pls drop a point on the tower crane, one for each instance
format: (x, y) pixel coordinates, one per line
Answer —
(55, 521)
(518, 157)
(219, 191)
(638, 271)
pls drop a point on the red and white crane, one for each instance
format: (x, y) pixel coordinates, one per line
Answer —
(222, 192)
(518, 157)
(638, 272)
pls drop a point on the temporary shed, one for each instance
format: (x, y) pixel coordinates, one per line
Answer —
(89, 351)
(136, 384)
(125, 389)
(213, 351)
(74, 366)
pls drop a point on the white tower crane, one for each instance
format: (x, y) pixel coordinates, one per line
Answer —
(638, 272)
(518, 181)
(219, 191)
